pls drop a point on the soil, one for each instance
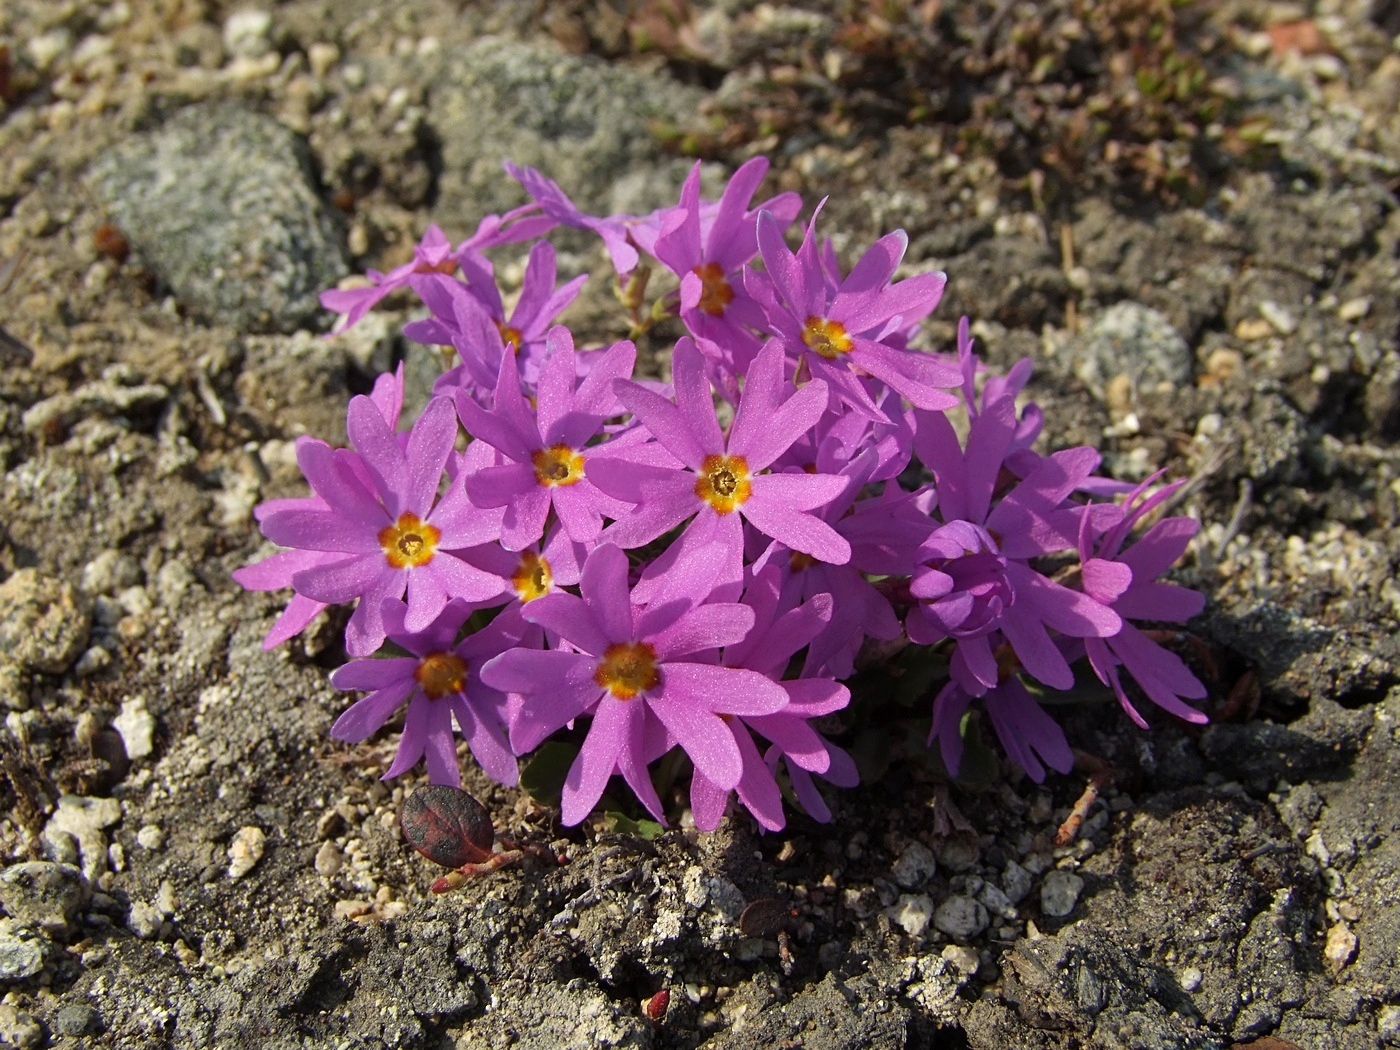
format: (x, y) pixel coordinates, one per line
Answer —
(1184, 213)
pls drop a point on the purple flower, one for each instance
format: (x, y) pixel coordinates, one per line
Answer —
(546, 448)
(720, 482)
(433, 254)
(382, 515)
(637, 670)
(473, 319)
(557, 205)
(836, 328)
(768, 648)
(999, 589)
(1030, 737)
(707, 246)
(276, 572)
(440, 681)
(1126, 581)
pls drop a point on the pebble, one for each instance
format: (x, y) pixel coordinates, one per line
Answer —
(961, 917)
(1059, 893)
(1280, 319)
(1016, 882)
(964, 959)
(43, 894)
(245, 851)
(1339, 948)
(82, 820)
(997, 902)
(912, 913)
(329, 859)
(19, 1029)
(958, 853)
(248, 33)
(109, 572)
(1190, 978)
(43, 622)
(1135, 340)
(150, 837)
(1354, 309)
(322, 56)
(21, 952)
(137, 727)
(1388, 1024)
(915, 866)
(77, 1019)
(145, 920)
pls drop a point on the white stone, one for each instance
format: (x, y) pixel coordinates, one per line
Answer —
(137, 727)
(1059, 893)
(961, 917)
(248, 33)
(150, 837)
(912, 913)
(245, 851)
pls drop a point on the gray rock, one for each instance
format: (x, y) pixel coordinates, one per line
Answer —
(961, 917)
(221, 203)
(43, 894)
(1133, 340)
(1060, 892)
(43, 622)
(77, 1019)
(915, 866)
(583, 122)
(22, 952)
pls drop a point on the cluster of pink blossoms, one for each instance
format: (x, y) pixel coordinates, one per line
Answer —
(699, 564)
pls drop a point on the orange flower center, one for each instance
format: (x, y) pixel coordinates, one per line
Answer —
(628, 668)
(447, 266)
(827, 338)
(723, 482)
(715, 291)
(510, 336)
(557, 465)
(533, 577)
(441, 674)
(798, 561)
(409, 542)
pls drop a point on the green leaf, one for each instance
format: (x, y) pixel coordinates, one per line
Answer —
(621, 824)
(543, 775)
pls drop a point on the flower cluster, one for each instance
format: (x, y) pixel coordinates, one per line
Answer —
(699, 564)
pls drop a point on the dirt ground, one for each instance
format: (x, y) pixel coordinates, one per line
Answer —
(1184, 212)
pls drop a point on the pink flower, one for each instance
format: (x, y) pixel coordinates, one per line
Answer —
(768, 648)
(638, 670)
(1126, 581)
(383, 517)
(546, 448)
(718, 481)
(440, 681)
(837, 327)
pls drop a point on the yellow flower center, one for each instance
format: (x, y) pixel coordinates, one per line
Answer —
(409, 542)
(723, 482)
(628, 668)
(798, 561)
(557, 465)
(827, 338)
(715, 291)
(533, 577)
(441, 674)
(510, 336)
